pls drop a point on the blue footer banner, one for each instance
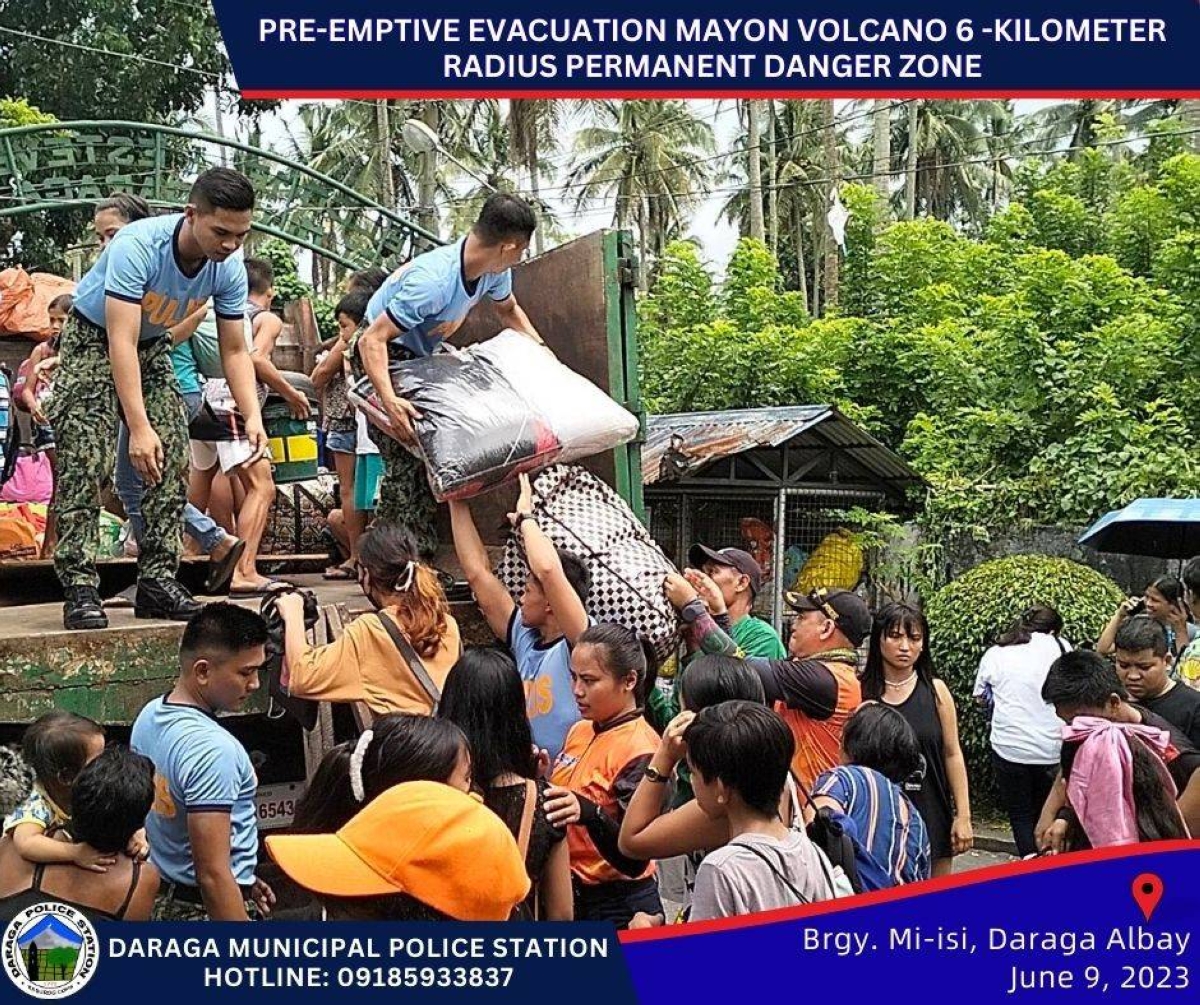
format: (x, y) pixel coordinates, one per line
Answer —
(1118, 923)
(364, 48)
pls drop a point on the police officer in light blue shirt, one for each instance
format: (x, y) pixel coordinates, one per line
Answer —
(419, 306)
(203, 828)
(115, 357)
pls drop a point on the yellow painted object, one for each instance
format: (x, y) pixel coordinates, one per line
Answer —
(288, 449)
(292, 444)
(836, 563)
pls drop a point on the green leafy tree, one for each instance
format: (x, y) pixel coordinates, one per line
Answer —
(139, 61)
(1027, 378)
(289, 287)
(682, 295)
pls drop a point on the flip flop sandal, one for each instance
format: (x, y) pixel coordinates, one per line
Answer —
(221, 572)
(273, 586)
(341, 574)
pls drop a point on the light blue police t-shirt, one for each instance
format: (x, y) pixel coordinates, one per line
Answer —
(546, 673)
(141, 266)
(428, 298)
(198, 766)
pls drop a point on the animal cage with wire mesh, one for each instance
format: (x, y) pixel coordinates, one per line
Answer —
(789, 485)
(817, 543)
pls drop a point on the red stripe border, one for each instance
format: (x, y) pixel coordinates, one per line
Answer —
(964, 879)
(335, 94)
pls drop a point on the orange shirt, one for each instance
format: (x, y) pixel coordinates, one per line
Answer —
(819, 741)
(591, 764)
(365, 665)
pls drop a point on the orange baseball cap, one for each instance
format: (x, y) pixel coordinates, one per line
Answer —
(425, 839)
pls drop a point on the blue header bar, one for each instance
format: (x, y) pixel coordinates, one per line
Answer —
(356, 48)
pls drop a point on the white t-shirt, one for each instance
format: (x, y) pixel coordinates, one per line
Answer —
(1025, 729)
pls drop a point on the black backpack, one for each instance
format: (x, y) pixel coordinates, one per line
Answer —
(827, 833)
(280, 702)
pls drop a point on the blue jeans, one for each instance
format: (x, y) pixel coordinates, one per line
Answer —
(130, 488)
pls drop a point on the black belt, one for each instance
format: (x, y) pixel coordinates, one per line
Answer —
(191, 894)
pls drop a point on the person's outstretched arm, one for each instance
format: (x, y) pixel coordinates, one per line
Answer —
(546, 567)
(491, 596)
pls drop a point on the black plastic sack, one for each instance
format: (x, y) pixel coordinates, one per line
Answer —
(475, 430)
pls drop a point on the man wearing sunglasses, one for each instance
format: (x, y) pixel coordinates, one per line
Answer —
(815, 689)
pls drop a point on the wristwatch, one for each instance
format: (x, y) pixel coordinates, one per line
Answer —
(654, 775)
(522, 517)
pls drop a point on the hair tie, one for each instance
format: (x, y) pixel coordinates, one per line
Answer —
(356, 763)
(405, 580)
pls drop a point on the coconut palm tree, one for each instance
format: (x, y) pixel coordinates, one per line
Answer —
(533, 127)
(943, 147)
(753, 115)
(650, 159)
(1071, 123)
(798, 165)
(343, 141)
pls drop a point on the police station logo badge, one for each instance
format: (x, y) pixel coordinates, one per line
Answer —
(50, 950)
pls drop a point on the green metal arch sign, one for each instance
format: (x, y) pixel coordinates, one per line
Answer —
(64, 165)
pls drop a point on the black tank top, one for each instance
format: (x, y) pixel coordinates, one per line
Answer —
(932, 795)
(15, 903)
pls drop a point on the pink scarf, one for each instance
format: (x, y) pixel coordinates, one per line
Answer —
(1100, 789)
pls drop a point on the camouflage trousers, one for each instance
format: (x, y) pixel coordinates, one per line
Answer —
(84, 412)
(168, 907)
(404, 494)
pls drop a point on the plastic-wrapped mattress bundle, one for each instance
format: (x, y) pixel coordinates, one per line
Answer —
(581, 514)
(494, 410)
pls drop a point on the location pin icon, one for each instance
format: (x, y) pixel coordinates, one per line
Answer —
(1147, 891)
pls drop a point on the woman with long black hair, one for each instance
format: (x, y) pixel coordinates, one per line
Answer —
(1026, 735)
(899, 672)
(485, 698)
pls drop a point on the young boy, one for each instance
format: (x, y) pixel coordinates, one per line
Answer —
(542, 631)
(1084, 683)
(1142, 665)
(235, 458)
(116, 357)
(739, 753)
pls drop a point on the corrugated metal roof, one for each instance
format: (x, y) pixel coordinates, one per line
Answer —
(708, 436)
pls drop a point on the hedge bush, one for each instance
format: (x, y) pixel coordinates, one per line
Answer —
(966, 616)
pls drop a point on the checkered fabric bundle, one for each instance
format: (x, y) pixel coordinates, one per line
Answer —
(581, 514)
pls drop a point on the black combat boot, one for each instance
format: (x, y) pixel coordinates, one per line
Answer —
(165, 600)
(82, 610)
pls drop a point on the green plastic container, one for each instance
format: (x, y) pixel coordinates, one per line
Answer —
(368, 474)
(293, 443)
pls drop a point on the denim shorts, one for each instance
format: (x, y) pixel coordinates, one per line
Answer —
(43, 436)
(341, 441)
